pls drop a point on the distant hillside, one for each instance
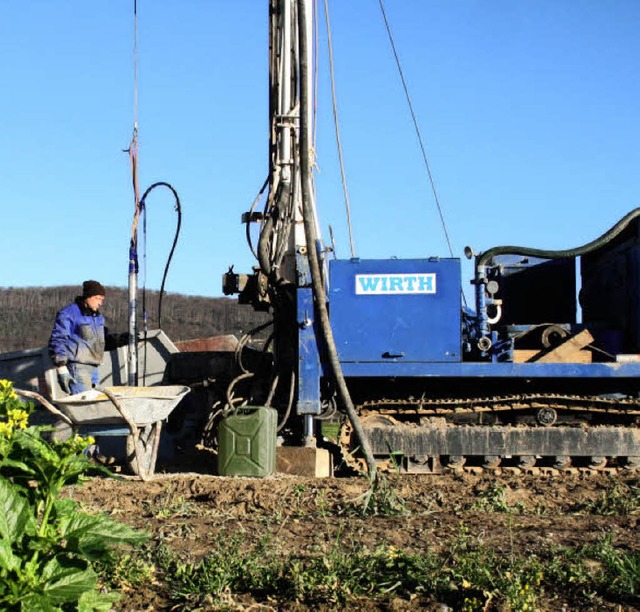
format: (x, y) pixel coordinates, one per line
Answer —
(27, 314)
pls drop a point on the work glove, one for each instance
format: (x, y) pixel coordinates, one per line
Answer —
(65, 379)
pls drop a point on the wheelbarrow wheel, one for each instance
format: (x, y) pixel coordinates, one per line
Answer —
(142, 461)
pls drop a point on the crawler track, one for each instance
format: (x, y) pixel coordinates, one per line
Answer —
(532, 434)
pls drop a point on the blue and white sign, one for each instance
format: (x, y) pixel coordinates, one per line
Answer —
(395, 284)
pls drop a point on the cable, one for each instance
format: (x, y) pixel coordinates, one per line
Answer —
(145, 318)
(243, 342)
(337, 127)
(415, 124)
(287, 413)
(175, 239)
(248, 218)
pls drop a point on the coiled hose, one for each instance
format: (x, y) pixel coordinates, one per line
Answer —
(607, 237)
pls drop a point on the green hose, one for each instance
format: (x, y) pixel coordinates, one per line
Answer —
(608, 236)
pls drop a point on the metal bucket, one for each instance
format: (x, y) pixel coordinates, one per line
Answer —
(247, 442)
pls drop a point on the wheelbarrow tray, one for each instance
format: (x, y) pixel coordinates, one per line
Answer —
(143, 405)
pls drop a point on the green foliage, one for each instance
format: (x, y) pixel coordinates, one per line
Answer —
(470, 576)
(616, 499)
(621, 569)
(467, 575)
(594, 571)
(335, 576)
(331, 431)
(495, 499)
(380, 499)
(127, 571)
(47, 544)
(486, 577)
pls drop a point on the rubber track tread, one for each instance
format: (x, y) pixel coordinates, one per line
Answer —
(516, 402)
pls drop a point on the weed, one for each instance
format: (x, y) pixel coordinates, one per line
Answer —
(616, 499)
(228, 567)
(322, 504)
(379, 499)
(621, 569)
(470, 575)
(172, 505)
(179, 508)
(128, 571)
(494, 499)
(486, 577)
(594, 571)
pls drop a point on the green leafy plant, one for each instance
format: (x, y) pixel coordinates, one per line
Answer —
(469, 574)
(495, 499)
(129, 571)
(48, 544)
(616, 499)
(595, 571)
(381, 498)
(620, 568)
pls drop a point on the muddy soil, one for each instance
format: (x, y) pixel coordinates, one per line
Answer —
(190, 512)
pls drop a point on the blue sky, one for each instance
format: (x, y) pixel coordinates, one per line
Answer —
(529, 111)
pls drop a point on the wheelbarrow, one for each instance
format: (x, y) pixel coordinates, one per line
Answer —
(136, 412)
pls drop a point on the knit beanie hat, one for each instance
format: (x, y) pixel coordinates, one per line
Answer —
(91, 288)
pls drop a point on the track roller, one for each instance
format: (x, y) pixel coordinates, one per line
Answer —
(562, 462)
(455, 462)
(526, 461)
(491, 462)
(597, 463)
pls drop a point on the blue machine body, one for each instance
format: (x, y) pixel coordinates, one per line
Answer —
(402, 317)
(390, 313)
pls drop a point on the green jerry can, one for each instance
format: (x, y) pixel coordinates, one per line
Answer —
(247, 442)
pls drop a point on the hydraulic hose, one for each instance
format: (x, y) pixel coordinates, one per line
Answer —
(175, 239)
(264, 246)
(274, 236)
(608, 236)
(482, 261)
(314, 266)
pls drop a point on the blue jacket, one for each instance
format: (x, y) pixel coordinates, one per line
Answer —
(78, 335)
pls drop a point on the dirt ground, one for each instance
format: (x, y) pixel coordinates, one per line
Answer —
(192, 511)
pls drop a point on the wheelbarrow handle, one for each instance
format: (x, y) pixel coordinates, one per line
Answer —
(46, 403)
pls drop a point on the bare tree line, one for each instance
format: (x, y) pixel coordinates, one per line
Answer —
(27, 314)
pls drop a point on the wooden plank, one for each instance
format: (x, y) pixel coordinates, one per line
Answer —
(524, 355)
(567, 351)
(528, 355)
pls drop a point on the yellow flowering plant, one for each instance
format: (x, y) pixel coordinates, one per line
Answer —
(48, 544)
(13, 413)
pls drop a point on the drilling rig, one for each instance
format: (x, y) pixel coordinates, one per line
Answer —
(544, 371)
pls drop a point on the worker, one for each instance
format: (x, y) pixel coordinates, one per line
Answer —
(78, 339)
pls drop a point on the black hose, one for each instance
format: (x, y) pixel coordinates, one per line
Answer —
(314, 266)
(608, 236)
(276, 228)
(175, 239)
(248, 220)
(264, 245)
